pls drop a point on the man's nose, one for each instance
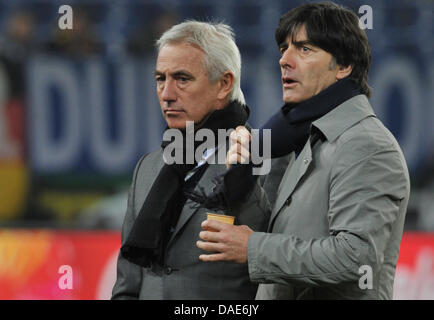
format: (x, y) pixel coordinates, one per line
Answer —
(169, 91)
(287, 59)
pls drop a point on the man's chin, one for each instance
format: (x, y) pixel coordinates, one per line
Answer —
(176, 123)
(180, 127)
(292, 99)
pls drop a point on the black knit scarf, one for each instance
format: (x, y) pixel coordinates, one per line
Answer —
(290, 126)
(147, 241)
(290, 130)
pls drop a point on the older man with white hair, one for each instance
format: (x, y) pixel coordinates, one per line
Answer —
(198, 80)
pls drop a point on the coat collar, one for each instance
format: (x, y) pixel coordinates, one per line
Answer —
(344, 116)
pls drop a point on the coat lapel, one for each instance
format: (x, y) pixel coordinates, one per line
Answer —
(291, 178)
(190, 207)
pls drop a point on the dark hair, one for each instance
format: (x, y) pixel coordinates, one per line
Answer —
(334, 29)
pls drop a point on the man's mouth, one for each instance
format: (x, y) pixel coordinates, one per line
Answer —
(288, 82)
(170, 111)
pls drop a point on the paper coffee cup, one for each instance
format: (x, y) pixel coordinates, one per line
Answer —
(220, 217)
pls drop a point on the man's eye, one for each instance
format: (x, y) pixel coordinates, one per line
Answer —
(183, 79)
(305, 49)
(159, 79)
(282, 50)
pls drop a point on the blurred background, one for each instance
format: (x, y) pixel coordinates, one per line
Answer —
(78, 108)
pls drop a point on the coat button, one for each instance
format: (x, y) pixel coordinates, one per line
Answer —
(288, 201)
(306, 160)
(168, 270)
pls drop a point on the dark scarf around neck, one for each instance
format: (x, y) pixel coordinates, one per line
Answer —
(290, 126)
(290, 130)
(148, 238)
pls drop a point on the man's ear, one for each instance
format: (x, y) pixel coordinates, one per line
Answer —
(343, 71)
(226, 83)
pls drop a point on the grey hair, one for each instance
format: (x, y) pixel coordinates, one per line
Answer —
(217, 41)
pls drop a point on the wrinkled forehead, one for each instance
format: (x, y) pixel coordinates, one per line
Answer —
(180, 53)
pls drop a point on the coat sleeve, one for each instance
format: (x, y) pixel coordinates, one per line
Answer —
(365, 194)
(129, 275)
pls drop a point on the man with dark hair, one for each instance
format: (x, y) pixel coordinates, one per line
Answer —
(337, 222)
